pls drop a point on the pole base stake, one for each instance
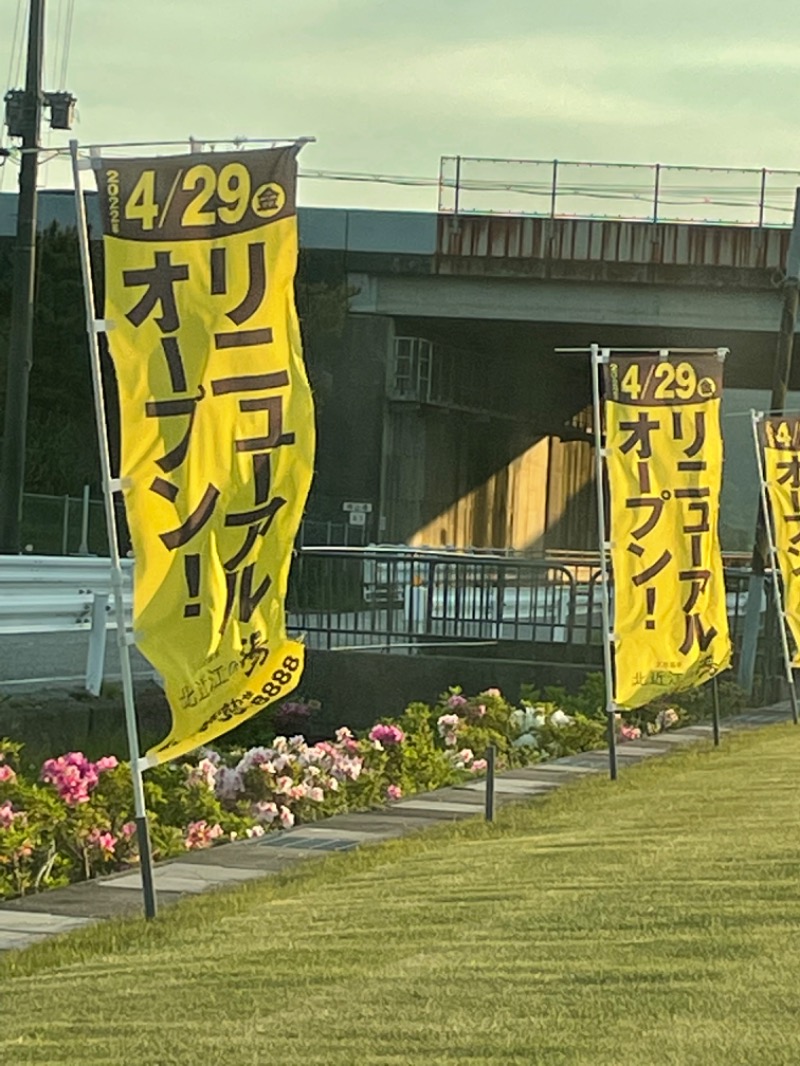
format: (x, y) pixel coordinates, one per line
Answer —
(146, 866)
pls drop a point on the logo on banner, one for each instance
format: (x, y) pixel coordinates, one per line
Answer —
(664, 462)
(217, 423)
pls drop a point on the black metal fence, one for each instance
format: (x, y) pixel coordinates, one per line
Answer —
(397, 599)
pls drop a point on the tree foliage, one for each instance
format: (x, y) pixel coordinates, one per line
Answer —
(61, 440)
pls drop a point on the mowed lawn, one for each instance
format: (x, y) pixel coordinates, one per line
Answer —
(655, 920)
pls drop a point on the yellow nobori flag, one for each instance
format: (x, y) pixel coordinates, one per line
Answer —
(664, 462)
(781, 443)
(216, 422)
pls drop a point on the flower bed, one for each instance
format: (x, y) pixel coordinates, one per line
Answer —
(73, 818)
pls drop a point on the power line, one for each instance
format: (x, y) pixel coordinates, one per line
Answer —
(68, 24)
(22, 18)
(14, 39)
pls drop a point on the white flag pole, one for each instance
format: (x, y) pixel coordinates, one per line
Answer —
(598, 359)
(757, 417)
(110, 486)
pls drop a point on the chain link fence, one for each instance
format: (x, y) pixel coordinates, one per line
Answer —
(76, 525)
(68, 525)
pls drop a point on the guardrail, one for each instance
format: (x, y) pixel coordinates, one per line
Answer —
(55, 594)
(380, 598)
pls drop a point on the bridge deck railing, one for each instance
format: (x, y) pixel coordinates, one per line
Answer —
(554, 188)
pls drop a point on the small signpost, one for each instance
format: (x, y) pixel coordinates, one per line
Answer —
(357, 512)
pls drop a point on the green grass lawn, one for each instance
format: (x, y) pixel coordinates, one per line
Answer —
(654, 920)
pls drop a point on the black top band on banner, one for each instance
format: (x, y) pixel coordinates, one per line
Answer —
(779, 431)
(649, 379)
(196, 196)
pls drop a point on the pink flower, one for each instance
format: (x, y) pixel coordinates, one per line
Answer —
(283, 786)
(630, 732)
(265, 812)
(286, 818)
(7, 774)
(478, 766)
(204, 774)
(8, 814)
(74, 776)
(200, 834)
(456, 700)
(255, 831)
(388, 735)
(128, 829)
(315, 794)
(394, 792)
(447, 725)
(104, 841)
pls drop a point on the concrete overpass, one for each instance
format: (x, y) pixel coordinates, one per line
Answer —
(441, 402)
(605, 272)
(506, 292)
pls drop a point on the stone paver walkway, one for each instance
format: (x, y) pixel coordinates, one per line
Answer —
(24, 921)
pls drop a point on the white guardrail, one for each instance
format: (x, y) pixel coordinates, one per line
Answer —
(57, 594)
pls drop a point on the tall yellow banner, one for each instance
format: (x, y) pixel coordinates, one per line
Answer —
(781, 443)
(664, 462)
(217, 423)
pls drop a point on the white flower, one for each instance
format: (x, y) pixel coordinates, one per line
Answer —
(558, 718)
(527, 740)
(517, 720)
(265, 812)
(229, 783)
(253, 757)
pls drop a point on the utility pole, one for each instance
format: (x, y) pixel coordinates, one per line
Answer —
(780, 386)
(23, 118)
(20, 349)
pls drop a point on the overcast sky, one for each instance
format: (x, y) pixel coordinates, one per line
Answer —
(388, 86)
